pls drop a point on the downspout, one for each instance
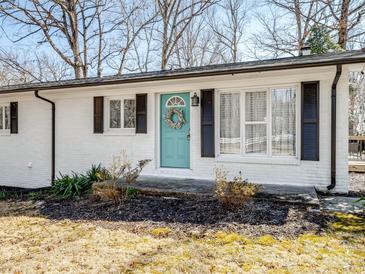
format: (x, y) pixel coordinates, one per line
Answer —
(53, 144)
(333, 126)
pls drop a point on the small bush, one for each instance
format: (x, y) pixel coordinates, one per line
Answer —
(131, 193)
(67, 186)
(233, 194)
(98, 173)
(122, 168)
(38, 194)
(4, 195)
(361, 201)
(107, 192)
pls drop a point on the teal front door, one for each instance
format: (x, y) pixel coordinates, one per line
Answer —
(175, 130)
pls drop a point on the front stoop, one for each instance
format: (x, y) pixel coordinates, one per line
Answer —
(182, 187)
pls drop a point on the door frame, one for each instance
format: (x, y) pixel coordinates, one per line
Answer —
(158, 130)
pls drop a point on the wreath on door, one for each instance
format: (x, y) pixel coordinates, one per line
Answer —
(169, 118)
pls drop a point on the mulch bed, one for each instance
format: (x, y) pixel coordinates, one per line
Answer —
(191, 216)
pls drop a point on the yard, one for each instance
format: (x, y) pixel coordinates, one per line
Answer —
(159, 235)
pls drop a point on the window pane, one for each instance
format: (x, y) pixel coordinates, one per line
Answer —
(256, 139)
(129, 113)
(115, 108)
(1, 118)
(7, 117)
(230, 137)
(256, 106)
(283, 122)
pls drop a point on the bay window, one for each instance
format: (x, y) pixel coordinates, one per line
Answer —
(258, 123)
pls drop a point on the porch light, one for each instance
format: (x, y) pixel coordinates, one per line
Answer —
(195, 100)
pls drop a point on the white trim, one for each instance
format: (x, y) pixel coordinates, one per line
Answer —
(4, 131)
(244, 123)
(267, 158)
(183, 105)
(117, 131)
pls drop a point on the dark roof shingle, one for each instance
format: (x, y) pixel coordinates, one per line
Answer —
(219, 69)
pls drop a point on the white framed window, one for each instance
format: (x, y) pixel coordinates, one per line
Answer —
(230, 123)
(255, 123)
(175, 101)
(120, 114)
(283, 112)
(260, 123)
(4, 119)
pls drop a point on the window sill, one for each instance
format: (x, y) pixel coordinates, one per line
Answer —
(279, 160)
(120, 133)
(6, 133)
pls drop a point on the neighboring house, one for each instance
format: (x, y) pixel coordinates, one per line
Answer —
(273, 120)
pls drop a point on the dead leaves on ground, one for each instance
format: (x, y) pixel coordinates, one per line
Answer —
(31, 244)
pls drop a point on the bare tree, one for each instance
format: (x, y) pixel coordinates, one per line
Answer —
(289, 26)
(176, 16)
(198, 46)
(144, 49)
(228, 21)
(20, 67)
(133, 18)
(345, 18)
(357, 103)
(68, 27)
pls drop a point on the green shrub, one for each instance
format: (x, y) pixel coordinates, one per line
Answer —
(67, 186)
(361, 201)
(131, 193)
(233, 194)
(38, 194)
(98, 173)
(3, 195)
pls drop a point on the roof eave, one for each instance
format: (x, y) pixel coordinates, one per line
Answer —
(181, 75)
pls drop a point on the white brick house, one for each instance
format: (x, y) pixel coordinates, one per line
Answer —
(269, 119)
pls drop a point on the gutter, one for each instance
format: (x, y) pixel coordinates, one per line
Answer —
(53, 142)
(333, 126)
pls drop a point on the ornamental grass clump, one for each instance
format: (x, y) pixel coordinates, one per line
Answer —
(69, 186)
(98, 173)
(233, 194)
(76, 185)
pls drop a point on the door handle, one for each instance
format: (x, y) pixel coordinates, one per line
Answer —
(188, 136)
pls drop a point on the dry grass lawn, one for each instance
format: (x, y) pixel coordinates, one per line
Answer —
(40, 245)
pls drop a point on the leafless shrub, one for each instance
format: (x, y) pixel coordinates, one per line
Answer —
(233, 194)
(121, 168)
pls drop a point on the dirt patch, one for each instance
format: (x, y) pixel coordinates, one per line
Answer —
(191, 216)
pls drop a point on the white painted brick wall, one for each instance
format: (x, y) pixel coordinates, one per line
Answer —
(77, 147)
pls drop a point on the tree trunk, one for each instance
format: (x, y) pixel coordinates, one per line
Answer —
(298, 17)
(342, 24)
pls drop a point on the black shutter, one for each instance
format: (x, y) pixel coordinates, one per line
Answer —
(141, 113)
(310, 121)
(14, 117)
(99, 114)
(207, 123)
